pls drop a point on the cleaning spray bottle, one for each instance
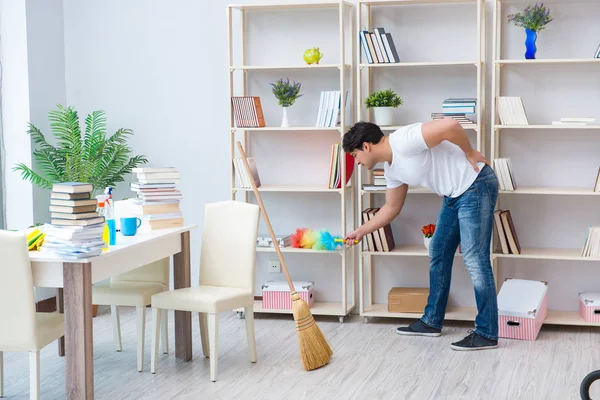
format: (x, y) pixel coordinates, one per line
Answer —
(102, 212)
(110, 217)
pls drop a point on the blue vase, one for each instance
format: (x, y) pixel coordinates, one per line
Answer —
(530, 44)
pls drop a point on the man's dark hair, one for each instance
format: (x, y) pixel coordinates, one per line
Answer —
(361, 132)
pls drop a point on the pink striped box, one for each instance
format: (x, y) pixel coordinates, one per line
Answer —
(589, 307)
(522, 308)
(276, 294)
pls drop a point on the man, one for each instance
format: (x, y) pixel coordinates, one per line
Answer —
(438, 155)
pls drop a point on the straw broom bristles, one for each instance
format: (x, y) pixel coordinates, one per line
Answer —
(314, 349)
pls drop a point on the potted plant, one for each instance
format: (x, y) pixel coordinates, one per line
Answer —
(383, 103)
(286, 95)
(428, 231)
(90, 156)
(533, 19)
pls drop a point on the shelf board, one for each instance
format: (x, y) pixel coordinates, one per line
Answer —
(552, 190)
(551, 61)
(284, 67)
(547, 254)
(300, 251)
(404, 250)
(472, 127)
(288, 128)
(566, 318)
(292, 188)
(318, 308)
(594, 126)
(452, 313)
(290, 6)
(421, 64)
(412, 2)
(415, 189)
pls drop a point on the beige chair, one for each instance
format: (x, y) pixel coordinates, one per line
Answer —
(134, 289)
(23, 329)
(227, 266)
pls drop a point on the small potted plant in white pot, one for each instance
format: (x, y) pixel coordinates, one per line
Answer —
(383, 103)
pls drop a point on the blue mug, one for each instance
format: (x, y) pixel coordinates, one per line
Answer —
(130, 225)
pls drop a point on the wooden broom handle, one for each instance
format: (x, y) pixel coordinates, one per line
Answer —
(265, 216)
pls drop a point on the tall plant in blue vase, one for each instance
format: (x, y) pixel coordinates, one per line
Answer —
(533, 19)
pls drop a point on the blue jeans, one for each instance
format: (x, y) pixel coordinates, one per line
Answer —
(467, 219)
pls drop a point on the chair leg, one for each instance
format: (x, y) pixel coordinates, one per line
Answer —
(34, 375)
(249, 315)
(141, 330)
(213, 339)
(204, 333)
(114, 312)
(156, 312)
(1, 374)
(165, 331)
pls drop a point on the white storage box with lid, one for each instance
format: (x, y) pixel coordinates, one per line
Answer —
(522, 308)
(589, 307)
(276, 294)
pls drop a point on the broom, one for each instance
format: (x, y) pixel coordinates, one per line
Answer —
(314, 349)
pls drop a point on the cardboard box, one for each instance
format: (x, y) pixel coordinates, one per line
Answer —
(522, 308)
(589, 307)
(406, 299)
(276, 294)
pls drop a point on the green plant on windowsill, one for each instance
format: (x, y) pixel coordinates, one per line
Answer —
(91, 156)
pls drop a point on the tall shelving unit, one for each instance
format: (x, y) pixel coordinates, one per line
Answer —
(346, 256)
(499, 64)
(364, 74)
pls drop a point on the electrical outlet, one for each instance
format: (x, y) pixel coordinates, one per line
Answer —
(274, 266)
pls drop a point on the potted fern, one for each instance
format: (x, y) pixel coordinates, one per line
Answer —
(383, 103)
(91, 156)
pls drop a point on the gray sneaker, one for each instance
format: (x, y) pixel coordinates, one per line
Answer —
(473, 341)
(418, 328)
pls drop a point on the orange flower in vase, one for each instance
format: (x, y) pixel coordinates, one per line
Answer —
(428, 231)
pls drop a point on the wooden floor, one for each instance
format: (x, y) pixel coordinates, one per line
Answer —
(370, 362)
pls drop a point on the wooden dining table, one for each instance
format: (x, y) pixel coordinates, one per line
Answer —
(76, 277)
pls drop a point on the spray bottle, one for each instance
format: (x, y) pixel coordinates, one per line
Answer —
(110, 217)
(102, 212)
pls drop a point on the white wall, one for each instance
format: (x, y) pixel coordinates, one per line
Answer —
(161, 69)
(15, 111)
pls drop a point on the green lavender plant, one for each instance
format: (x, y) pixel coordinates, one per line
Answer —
(93, 157)
(285, 92)
(383, 98)
(535, 18)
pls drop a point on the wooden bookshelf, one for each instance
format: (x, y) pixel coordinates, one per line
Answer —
(476, 132)
(342, 63)
(570, 255)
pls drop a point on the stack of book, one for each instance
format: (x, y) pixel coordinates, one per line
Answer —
(509, 241)
(504, 173)
(335, 167)
(380, 240)
(247, 112)
(75, 228)
(575, 121)
(457, 109)
(591, 247)
(158, 198)
(244, 180)
(379, 182)
(511, 111)
(329, 114)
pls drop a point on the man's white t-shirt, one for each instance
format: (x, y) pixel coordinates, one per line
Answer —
(444, 168)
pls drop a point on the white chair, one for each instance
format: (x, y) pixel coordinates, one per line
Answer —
(135, 289)
(23, 329)
(227, 266)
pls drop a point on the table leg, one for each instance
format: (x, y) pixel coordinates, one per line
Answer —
(60, 307)
(79, 360)
(183, 319)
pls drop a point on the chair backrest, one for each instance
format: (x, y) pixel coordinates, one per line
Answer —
(17, 302)
(228, 255)
(157, 271)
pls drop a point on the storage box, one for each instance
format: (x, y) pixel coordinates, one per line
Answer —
(406, 299)
(589, 307)
(522, 308)
(276, 294)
